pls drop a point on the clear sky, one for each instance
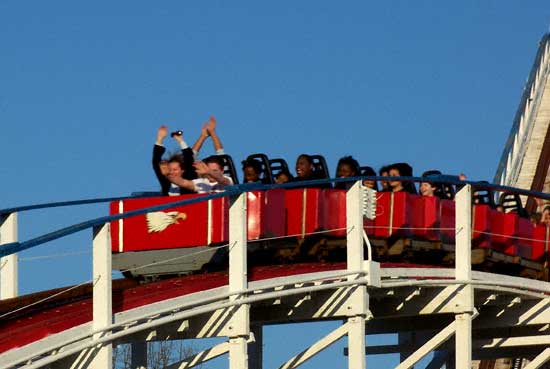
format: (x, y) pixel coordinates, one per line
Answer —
(84, 86)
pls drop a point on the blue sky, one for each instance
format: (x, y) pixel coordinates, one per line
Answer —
(84, 86)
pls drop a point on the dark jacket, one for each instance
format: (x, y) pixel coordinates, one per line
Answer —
(188, 168)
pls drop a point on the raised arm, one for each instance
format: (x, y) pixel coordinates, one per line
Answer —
(162, 132)
(211, 128)
(183, 183)
(158, 151)
(200, 141)
(203, 170)
(188, 158)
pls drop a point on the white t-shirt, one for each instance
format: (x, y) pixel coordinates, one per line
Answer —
(203, 185)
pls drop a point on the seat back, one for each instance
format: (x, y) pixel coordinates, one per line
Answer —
(445, 191)
(277, 166)
(320, 166)
(511, 202)
(229, 168)
(266, 176)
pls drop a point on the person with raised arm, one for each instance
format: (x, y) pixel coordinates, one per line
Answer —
(177, 165)
(211, 177)
(209, 130)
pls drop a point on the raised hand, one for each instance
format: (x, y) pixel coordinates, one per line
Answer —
(162, 132)
(204, 130)
(178, 138)
(201, 168)
(211, 125)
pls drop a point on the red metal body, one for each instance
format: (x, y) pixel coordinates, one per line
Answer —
(200, 224)
(425, 219)
(303, 211)
(300, 212)
(481, 224)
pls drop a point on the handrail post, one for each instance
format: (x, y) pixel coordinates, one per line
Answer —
(8, 264)
(238, 281)
(359, 302)
(102, 294)
(463, 271)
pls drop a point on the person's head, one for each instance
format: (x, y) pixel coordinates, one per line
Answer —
(394, 171)
(368, 171)
(347, 167)
(429, 189)
(175, 166)
(251, 170)
(384, 172)
(535, 218)
(215, 165)
(545, 219)
(401, 170)
(163, 165)
(283, 177)
(304, 166)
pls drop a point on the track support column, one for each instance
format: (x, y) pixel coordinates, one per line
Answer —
(102, 295)
(139, 355)
(255, 349)
(355, 262)
(238, 281)
(8, 264)
(463, 271)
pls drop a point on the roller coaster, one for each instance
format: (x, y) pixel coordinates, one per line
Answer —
(324, 271)
(451, 276)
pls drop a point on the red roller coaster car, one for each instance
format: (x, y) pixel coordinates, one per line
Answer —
(286, 225)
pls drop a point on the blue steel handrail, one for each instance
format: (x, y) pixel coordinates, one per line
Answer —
(18, 209)
(14, 247)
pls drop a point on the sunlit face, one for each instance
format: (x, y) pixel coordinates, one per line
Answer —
(545, 219)
(344, 171)
(174, 169)
(214, 169)
(368, 183)
(426, 189)
(164, 168)
(282, 178)
(385, 185)
(250, 175)
(395, 185)
(303, 167)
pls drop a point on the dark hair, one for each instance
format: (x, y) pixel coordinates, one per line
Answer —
(215, 159)
(547, 207)
(305, 156)
(286, 172)
(176, 158)
(431, 173)
(384, 169)
(368, 171)
(349, 161)
(254, 164)
(405, 170)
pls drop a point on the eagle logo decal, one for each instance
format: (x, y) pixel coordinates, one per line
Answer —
(159, 221)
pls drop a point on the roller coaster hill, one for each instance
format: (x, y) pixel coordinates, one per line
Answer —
(450, 275)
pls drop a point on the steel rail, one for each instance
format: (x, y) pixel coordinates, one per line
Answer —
(519, 289)
(173, 317)
(57, 204)
(11, 248)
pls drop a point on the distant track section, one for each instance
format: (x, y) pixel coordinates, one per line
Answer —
(525, 159)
